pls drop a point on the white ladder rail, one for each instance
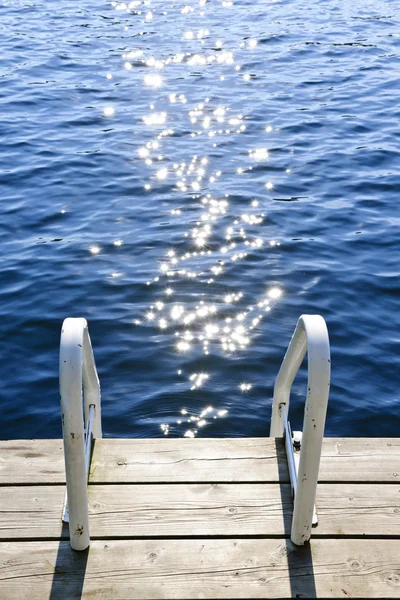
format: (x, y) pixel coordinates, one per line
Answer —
(78, 373)
(311, 336)
(88, 436)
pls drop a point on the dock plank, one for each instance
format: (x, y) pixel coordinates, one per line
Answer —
(154, 569)
(174, 518)
(239, 459)
(189, 460)
(203, 459)
(163, 510)
(360, 459)
(31, 461)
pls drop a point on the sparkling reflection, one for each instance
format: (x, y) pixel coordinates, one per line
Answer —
(108, 111)
(198, 302)
(153, 80)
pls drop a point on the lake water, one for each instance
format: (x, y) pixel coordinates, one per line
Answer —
(191, 178)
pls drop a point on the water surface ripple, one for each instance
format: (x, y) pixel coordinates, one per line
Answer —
(191, 178)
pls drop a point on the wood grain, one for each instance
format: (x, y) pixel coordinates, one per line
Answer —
(240, 459)
(31, 461)
(360, 459)
(199, 460)
(150, 569)
(188, 510)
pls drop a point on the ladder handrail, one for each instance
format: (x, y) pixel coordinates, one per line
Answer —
(310, 335)
(77, 372)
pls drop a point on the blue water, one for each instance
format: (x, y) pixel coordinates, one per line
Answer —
(191, 178)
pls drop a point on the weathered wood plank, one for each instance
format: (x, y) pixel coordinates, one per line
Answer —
(358, 509)
(360, 459)
(189, 460)
(240, 459)
(151, 510)
(200, 510)
(147, 460)
(32, 512)
(31, 461)
(162, 460)
(150, 569)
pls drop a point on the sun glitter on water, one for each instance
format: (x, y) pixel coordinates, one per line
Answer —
(197, 298)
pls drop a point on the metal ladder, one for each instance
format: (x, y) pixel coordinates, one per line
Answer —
(303, 450)
(81, 421)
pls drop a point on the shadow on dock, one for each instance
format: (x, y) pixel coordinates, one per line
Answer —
(301, 571)
(299, 558)
(69, 573)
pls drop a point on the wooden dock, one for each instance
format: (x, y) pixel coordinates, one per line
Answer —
(200, 518)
